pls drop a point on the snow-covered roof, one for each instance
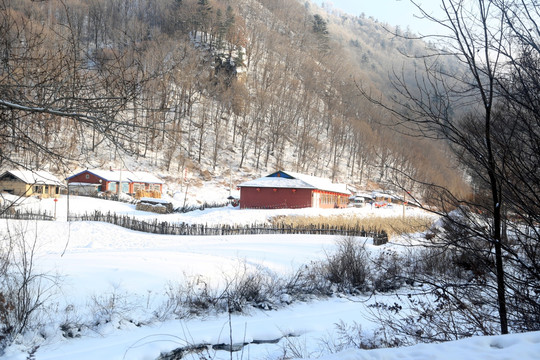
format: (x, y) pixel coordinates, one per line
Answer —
(277, 182)
(320, 183)
(34, 177)
(297, 181)
(363, 195)
(144, 177)
(154, 200)
(376, 194)
(74, 184)
(124, 176)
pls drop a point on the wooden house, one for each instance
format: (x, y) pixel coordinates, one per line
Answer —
(288, 190)
(115, 182)
(30, 183)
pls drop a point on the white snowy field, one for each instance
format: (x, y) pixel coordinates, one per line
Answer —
(96, 263)
(224, 215)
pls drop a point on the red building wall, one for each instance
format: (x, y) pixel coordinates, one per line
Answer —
(278, 198)
(329, 200)
(87, 177)
(93, 179)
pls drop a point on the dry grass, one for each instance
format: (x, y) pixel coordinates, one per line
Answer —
(147, 193)
(393, 226)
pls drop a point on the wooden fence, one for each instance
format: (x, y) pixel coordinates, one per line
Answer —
(166, 228)
(11, 214)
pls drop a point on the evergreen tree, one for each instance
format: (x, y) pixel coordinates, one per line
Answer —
(320, 28)
(203, 17)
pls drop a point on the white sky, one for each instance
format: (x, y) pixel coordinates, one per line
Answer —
(393, 12)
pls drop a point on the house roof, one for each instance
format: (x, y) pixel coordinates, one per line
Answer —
(292, 180)
(364, 195)
(144, 177)
(123, 175)
(34, 177)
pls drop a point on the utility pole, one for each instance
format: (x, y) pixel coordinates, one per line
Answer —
(404, 202)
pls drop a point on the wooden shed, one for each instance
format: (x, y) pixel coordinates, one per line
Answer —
(288, 190)
(30, 183)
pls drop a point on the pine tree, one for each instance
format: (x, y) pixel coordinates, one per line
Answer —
(320, 28)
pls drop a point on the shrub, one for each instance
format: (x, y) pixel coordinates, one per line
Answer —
(192, 298)
(387, 272)
(114, 306)
(23, 291)
(309, 279)
(252, 287)
(347, 266)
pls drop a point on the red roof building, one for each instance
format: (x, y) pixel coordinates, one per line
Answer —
(117, 181)
(288, 190)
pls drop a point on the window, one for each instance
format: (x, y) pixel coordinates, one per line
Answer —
(112, 187)
(138, 186)
(87, 176)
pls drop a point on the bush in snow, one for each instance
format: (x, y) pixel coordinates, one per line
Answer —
(351, 335)
(23, 291)
(192, 298)
(114, 307)
(252, 287)
(387, 271)
(347, 267)
(246, 288)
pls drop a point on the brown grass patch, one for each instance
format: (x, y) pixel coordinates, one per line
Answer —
(393, 226)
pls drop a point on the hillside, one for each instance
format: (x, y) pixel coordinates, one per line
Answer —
(204, 90)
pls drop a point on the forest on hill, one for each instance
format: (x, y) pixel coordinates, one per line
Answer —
(206, 86)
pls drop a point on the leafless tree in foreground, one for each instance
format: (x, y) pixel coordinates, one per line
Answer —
(486, 112)
(23, 289)
(54, 95)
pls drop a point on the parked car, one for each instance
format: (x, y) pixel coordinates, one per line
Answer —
(357, 201)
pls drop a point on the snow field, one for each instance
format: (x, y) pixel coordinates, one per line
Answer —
(97, 262)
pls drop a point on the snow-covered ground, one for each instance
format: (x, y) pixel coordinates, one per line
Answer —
(210, 216)
(97, 262)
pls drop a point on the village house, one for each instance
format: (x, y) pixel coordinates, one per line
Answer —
(30, 183)
(289, 190)
(88, 182)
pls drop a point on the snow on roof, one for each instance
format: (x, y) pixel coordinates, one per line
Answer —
(298, 181)
(376, 194)
(363, 194)
(277, 182)
(154, 200)
(320, 183)
(144, 177)
(35, 177)
(124, 175)
(73, 184)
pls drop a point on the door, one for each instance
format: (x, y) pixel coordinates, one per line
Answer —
(315, 199)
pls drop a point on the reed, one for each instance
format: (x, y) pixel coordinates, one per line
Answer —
(393, 226)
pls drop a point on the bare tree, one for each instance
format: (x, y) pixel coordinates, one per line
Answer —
(23, 290)
(46, 80)
(463, 109)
